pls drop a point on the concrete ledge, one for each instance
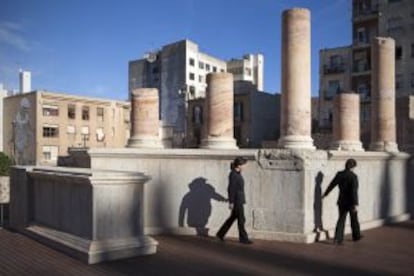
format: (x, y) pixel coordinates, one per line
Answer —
(89, 251)
(133, 153)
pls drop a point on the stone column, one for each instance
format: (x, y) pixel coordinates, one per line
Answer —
(296, 80)
(144, 119)
(346, 125)
(219, 110)
(383, 125)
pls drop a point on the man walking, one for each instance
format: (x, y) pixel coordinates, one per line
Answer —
(347, 182)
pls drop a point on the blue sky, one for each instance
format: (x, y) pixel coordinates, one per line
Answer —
(83, 46)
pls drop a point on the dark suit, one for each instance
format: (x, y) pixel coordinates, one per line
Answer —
(347, 182)
(237, 198)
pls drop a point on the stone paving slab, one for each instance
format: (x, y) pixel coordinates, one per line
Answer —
(388, 250)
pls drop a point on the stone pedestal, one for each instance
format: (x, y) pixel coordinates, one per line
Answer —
(219, 111)
(144, 119)
(383, 124)
(92, 215)
(346, 126)
(296, 80)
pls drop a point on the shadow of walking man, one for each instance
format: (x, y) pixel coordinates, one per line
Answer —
(197, 204)
(317, 208)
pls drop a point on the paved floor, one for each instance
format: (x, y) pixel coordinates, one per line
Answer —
(387, 250)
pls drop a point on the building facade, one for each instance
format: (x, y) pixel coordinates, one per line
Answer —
(249, 68)
(370, 18)
(3, 94)
(39, 126)
(179, 71)
(335, 77)
(256, 117)
(25, 81)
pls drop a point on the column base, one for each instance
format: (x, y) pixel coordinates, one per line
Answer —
(345, 145)
(219, 143)
(384, 146)
(145, 142)
(296, 142)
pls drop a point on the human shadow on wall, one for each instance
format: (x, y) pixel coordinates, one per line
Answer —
(385, 191)
(410, 185)
(317, 208)
(197, 204)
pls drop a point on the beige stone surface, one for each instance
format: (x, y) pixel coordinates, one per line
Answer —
(220, 101)
(346, 122)
(383, 123)
(296, 79)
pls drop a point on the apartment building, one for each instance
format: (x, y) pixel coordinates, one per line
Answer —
(179, 71)
(370, 18)
(249, 68)
(39, 126)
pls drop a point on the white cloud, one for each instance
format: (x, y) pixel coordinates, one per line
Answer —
(11, 34)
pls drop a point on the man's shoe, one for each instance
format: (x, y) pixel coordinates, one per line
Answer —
(246, 242)
(357, 239)
(220, 237)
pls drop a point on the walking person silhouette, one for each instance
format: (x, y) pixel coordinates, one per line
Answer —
(347, 182)
(237, 199)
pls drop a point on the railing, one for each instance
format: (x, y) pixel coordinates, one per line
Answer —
(334, 69)
(361, 67)
(368, 11)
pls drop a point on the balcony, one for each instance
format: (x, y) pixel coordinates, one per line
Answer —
(365, 14)
(334, 69)
(361, 68)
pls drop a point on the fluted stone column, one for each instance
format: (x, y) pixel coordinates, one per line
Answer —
(296, 80)
(219, 111)
(144, 119)
(383, 125)
(346, 125)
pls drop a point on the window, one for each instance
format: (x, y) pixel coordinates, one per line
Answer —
(238, 111)
(85, 113)
(100, 114)
(192, 90)
(207, 67)
(399, 81)
(155, 70)
(201, 65)
(412, 80)
(100, 135)
(333, 88)
(50, 153)
(200, 78)
(362, 35)
(398, 52)
(85, 133)
(394, 24)
(71, 111)
(70, 130)
(363, 90)
(197, 115)
(192, 76)
(50, 131)
(50, 110)
(191, 62)
(214, 69)
(248, 71)
(335, 61)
